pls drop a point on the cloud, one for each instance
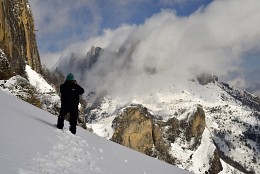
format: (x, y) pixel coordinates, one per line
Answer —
(128, 2)
(109, 38)
(58, 14)
(167, 48)
(64, 22)
(174, 2)
(61, 22)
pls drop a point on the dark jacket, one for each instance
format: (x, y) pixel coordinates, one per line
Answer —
(70, 92)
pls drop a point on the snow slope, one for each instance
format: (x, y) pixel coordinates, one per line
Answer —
(38, 81)
(34, 86)
(30, 144)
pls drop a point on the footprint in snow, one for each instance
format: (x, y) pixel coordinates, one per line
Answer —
(69, 154)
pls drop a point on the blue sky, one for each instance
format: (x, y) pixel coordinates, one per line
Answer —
(220, 37)
(88, 18)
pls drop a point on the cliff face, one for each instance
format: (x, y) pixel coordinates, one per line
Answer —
(17, 38)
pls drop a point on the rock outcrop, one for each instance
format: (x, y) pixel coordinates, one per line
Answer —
(138, 129)
(205, 78)
(17, 38)
(135, 130)
(5, 68)
(215, 164)
(195, 127)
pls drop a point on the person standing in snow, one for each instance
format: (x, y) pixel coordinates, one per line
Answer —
(70, 92)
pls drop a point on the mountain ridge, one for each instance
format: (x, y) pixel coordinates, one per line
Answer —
(221, 109)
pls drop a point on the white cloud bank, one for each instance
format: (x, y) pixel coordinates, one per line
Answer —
(167, 47)
(62, 22)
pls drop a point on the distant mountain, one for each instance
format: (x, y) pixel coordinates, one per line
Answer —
(80, 65)
(201, 125)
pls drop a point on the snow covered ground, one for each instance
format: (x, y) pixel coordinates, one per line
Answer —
(31, 89)
(38, 81)
(30, 144)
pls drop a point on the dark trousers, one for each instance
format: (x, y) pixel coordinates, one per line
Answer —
(73, 118)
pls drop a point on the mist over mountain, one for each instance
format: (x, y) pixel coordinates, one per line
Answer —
(156, 66)
(254, 88)
(127, 101)
(168, 49)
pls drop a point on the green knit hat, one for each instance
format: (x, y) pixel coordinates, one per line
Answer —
(70, 77)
